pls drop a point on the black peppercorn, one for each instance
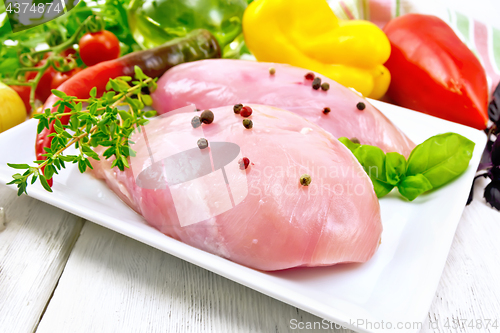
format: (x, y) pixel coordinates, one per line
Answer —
(207, 117)
(316, 83)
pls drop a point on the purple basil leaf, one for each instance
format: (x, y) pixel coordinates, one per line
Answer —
(494, 173)
(471, 193)
(492, 194)
(495, 153)
(493, 108)
(486, 157)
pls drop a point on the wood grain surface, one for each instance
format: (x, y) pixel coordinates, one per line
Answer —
(470, 285)
(35, 243)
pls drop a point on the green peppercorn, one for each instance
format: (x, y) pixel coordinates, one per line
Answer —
(305, 180)
(247, 123)
(237, 108)
(207, 117)
(272, 71)
(361, 106)
(325, 86)
(355, 140)
(202, 143)
(195, 122)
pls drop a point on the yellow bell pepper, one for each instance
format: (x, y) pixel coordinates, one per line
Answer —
(307, 34)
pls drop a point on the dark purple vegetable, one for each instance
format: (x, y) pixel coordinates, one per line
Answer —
(492, 194)
(489, 167)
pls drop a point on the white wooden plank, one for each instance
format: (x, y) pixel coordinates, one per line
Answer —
(470, 286)
(112, 283)
(34, 247)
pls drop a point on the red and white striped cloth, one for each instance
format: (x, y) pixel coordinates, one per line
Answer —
(476, 22)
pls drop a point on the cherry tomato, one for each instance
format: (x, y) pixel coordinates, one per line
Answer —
(59, 78)
(68, 52)
(24, 93)
(43, 89)
(99, 46)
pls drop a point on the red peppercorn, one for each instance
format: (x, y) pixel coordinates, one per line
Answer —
(309, 76)
(244, 162)
(246, 111)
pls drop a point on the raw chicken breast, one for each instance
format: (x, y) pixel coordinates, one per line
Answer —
(262, 216)
(218, 82)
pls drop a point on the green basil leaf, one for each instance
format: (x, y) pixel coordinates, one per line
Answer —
(395, 168)
(412, 186)
(373, 161)
(441, 158)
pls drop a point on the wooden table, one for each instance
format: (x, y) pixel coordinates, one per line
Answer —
(59, 273)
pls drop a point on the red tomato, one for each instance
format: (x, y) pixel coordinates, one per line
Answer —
(43, 90)
(99, 46)
(24, 93)
(59, 78)
(68, 51)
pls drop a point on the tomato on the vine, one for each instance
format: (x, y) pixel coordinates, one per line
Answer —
(68, 52)
(43, 90)
(96, 47)
(62, 77)
(24, 93)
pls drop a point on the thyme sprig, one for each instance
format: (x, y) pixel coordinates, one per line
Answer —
(101, 123)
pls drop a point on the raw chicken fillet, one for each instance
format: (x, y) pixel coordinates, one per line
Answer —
(261, 216)
(219, 82)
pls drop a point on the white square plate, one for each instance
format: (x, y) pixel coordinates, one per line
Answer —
(396, 286)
